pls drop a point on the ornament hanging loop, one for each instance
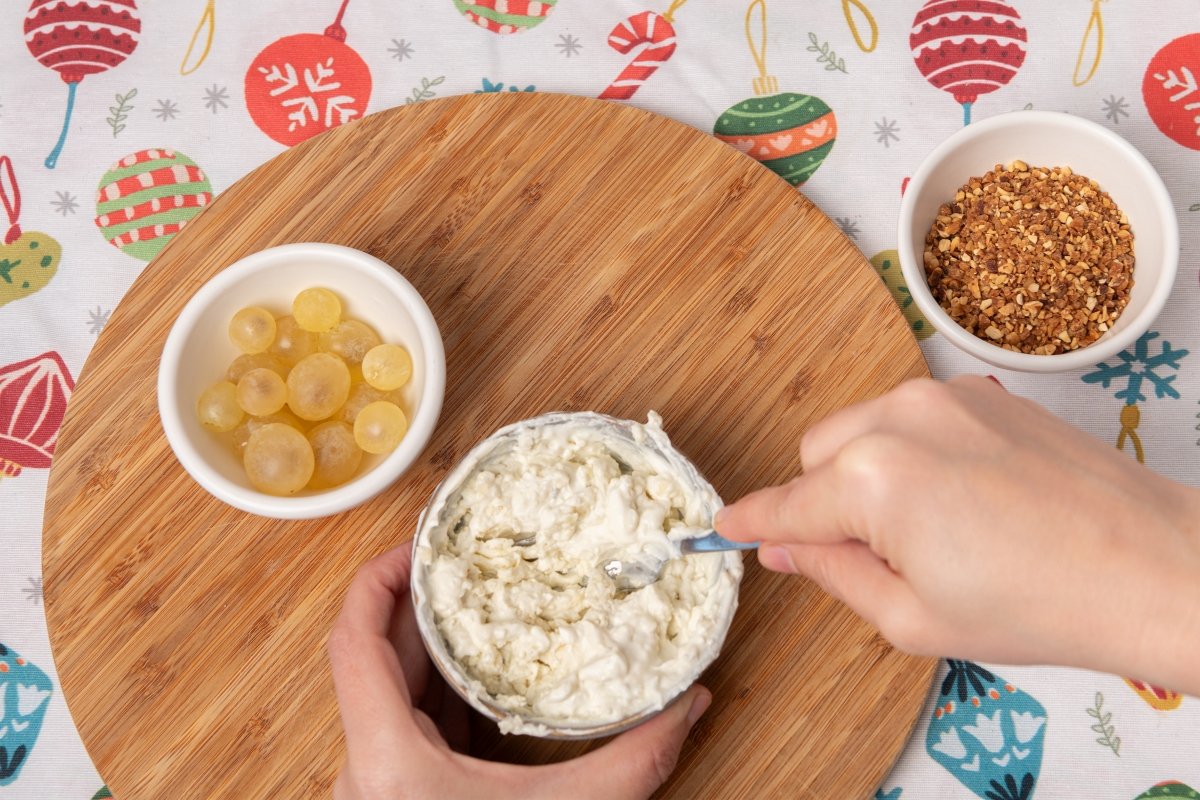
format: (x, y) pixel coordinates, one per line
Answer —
(764, 83)
(10, 195)
(208, 24)
(669, 14)
(848, 7)
(1095, 22)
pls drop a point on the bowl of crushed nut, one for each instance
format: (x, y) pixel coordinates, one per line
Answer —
(1038, 241)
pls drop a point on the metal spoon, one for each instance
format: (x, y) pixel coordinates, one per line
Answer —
(631, 575)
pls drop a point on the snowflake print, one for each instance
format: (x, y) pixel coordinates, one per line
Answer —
(98, 319)
(848, 226)
(165, 110)
(1185, 82)
(401, 49)
(65, 203)
(216, 98)
(569, 45)
(306, 106)
(33, 592)
(1171, 90)
(886, 132)
(1137, 367)
(1115, 108)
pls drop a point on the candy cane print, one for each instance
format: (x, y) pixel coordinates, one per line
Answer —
(658, 36)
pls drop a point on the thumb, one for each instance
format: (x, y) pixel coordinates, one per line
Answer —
(638, 761)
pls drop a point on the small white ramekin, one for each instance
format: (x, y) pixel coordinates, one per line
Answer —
(471, 689)
(1047, 139)
(198, 351)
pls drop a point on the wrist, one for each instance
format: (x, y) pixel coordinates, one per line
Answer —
(1169, 639)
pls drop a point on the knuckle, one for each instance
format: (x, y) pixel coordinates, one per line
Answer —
(921, 394)
(902, 627)
(810, 443)
(793, 493)
(871, 459)
(782, 512)
(368, 571)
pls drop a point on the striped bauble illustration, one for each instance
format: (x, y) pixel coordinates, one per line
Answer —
(77, 38)
(790, 133)
(147, 198)
(505, 16)
(968, 47)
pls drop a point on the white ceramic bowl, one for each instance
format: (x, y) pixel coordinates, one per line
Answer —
(198, 351)
(499, 442)
(1046, 138)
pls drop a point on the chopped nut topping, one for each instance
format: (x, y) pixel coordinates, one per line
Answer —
(1033, 259)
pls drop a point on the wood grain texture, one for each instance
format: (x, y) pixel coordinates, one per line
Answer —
(577, 255)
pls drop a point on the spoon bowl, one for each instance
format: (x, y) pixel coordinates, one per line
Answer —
(638, 573)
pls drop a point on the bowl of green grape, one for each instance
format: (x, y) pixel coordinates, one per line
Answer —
(301, 380)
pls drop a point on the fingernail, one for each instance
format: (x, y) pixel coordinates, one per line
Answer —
(719, 519)
(776, 558)
(700, 704)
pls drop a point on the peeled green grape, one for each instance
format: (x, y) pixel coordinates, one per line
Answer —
(387, 366)
(217, 409)
(379, 427)
(240, 435)
(336, 453)
(248, 361)
(292, 342)
(261, 392)
(252, 329)
(362, 395)
(318, 386)
(317, 310)
(349, 339)
(278, 459)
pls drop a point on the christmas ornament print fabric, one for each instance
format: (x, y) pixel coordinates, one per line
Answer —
(121, 120)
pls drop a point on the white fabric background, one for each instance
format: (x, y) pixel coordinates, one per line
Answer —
(711, 70)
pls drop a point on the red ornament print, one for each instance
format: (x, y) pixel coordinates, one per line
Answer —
(77, 38)
(33, 400)
(968, 47)
(305, 84)
(1171, 89)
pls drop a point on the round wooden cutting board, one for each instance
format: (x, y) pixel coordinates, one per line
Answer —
(577, 254)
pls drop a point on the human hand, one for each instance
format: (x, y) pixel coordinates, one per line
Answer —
(406, 730)
(961, 520)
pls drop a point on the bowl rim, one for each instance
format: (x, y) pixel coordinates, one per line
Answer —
(361, 488)
(1105, 347)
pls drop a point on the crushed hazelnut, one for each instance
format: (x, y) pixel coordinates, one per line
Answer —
(1020, 260)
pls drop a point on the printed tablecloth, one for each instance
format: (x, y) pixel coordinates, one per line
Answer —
(119, 120)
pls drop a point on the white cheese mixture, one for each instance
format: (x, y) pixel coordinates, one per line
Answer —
(538, 628)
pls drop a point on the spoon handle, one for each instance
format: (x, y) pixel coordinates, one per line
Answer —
(712, 543)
